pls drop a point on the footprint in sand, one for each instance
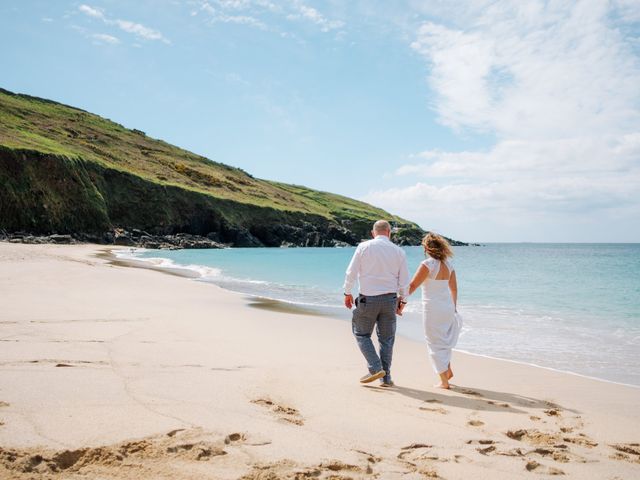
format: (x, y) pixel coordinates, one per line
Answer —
(582, 440)
(439, 410)
(415, 446)
(468, 391)
(475, 423)
(287, 414)
(371, 458)
(533, 466)
(191, 446)
(486, 450)
(549, 445)
(420, 463)
(195, 451)
(504, 405)
(559, 453)
(329, 469)
(568, 425)
(486, 446)
(626, 451)
(411, 449)
(338, 466)
(552, 412)
(534, 437)
(480, 442)
(513, 452)
(4, 404)
(419, 459)
(234, 438)
(461, 459)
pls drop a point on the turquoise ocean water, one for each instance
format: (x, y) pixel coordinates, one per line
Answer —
(571, 307)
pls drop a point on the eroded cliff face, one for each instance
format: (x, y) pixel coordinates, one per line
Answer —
(45, 193)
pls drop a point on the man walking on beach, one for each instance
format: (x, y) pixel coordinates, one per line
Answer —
(381, 270)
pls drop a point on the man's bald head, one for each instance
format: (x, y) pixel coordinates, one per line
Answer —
(381, 227)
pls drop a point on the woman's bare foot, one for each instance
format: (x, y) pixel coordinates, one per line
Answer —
(449, 373)
(444, 380)
(444, 386)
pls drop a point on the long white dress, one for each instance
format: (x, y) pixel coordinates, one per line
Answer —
(441, 322)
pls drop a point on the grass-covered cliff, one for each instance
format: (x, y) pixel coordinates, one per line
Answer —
(64, 170)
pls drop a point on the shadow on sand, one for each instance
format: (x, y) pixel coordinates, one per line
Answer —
(475, 399)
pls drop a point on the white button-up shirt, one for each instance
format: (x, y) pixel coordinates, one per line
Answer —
(380, 267)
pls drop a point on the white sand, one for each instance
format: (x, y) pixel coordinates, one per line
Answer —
(100, 364)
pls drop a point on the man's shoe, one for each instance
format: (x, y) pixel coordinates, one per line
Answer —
(387, 384)
(370, 377)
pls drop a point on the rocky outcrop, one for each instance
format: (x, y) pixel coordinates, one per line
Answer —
(137, 238)
(117, 237)
(414, 236)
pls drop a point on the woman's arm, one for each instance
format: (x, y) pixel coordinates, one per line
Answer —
(453, 286)
(419, 277)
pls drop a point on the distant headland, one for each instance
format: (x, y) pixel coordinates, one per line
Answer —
(68, 176)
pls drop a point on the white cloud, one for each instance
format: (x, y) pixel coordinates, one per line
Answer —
(533, 76)
(104, 38)
(137, 29)
(243, 20)
(262, 13)
(140, 30)
(556, 83)
(628, 10)
(306, 12)
(220, 15)
(91, 11)
(559, 175)
(234, 4)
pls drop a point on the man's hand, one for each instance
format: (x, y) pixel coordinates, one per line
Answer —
(400, 306)
(348, 301)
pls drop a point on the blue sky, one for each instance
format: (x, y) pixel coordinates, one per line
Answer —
(484, 120)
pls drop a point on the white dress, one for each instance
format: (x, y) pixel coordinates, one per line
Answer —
(441, 322)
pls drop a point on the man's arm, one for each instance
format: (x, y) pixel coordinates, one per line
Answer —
(351, 276)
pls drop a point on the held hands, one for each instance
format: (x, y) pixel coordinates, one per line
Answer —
(348, 301)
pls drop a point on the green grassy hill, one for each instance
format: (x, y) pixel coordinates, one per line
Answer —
(65, 170)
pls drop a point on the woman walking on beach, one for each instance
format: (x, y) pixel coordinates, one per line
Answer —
(439, 303)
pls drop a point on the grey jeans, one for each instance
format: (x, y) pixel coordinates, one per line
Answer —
(377, 311)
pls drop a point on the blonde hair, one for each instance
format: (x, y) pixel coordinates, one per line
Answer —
(436, 246)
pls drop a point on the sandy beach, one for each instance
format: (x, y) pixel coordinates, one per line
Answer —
(108, 371)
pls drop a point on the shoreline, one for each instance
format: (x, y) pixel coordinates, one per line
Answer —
(119, 372)
(283, 306)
